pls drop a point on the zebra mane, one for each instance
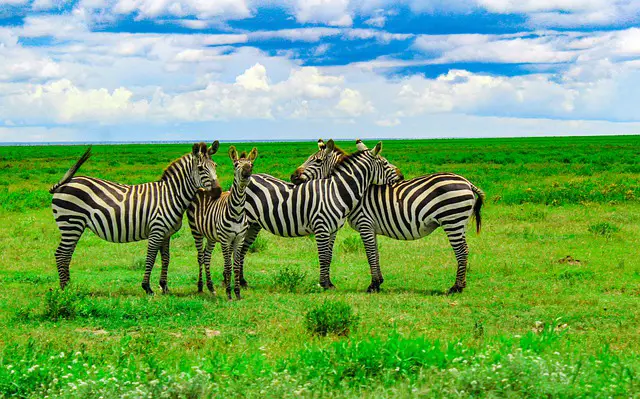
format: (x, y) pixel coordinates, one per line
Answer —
(171, 166)
(345, 157)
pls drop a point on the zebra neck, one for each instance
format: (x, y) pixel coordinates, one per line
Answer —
(237, 198)
(178, 183)
(351, 179)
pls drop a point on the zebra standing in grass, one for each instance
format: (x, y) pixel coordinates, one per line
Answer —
(123, 213)
(407, 210)
(318, 207)
(222, 220)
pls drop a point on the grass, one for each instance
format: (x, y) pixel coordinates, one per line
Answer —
(549, 309)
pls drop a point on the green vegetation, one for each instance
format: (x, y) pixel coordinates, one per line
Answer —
(332, 317)
(550, 309)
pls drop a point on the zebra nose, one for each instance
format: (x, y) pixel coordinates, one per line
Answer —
(296, 177)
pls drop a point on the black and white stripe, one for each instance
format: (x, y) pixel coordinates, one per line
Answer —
(123, 213)
(409, 210)
(222, 220)
(318, 207)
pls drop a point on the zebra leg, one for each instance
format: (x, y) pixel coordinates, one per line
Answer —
(370, 242)
(226, 274)
(206, 259)
(459, 244)
(164, 255)
(249, 237)
(236, 270)
(153, 246)
(198, 238)
(64, 252)
(324, 241)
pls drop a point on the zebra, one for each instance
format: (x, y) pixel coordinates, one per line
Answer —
(125, 213)
(318, 207)
(222, 220)
(407, 210)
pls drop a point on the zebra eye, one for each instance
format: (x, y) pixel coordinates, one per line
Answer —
(317, 160)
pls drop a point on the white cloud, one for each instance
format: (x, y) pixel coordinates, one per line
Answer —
(353, 103)
(388, 122)
(331, 12)
(254, 78)
(229, 9)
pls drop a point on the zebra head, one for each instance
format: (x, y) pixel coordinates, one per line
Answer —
(383, 171)
(243, 165)
(204, 169)
(320, 164)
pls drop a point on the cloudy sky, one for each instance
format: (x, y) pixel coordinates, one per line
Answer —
(121, 70)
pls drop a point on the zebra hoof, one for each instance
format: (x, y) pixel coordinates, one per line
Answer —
(373, 289)
(147, 288)
(328, 286)
(243, 283)
(455, 290)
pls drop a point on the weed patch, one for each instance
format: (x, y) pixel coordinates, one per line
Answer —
(259, 245)
(603, 229)
(289, 279)
(332, 317)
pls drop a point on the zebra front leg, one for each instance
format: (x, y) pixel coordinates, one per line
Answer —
(324, 241)
(206, 258)
(226, 274)
(153, 246)
(198, 238)
(237, 247)
(369, 239)
(459, 244)
(64, 252)
(249, 238)
(164, 255)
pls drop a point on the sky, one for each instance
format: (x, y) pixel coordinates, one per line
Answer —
(139, 70)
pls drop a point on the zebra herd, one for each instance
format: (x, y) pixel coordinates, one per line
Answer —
(330, 188)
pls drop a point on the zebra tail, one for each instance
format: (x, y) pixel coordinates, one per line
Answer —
(71, 172)
(477, 207)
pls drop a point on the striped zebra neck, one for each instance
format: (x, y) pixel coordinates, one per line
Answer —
(178, 180)
(237, 197)
(352, 177)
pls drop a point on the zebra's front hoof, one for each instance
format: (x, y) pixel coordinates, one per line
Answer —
(455, 290)
(163, 286)
(243, 283)
(147, 288)
(200, 286)
(211, 288)
(238, 297)
(328, 286)
(373, 288)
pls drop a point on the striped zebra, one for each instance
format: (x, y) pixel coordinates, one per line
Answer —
(222, 219)
(408, 210)
(318, 207)
(123, 213)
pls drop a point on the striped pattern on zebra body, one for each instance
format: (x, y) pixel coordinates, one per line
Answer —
(409, 210)
(125, 213)
(318, 207)
(223, 220)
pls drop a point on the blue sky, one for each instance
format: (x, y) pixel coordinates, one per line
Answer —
(120, 70)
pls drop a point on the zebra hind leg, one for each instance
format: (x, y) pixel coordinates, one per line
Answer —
(325, 243)
(164, 254)
(153, 246)
(226, 274)
(249, 237)
(459, 244)
(64, 252)
(371, 248)
(198, 241)
(206, 259)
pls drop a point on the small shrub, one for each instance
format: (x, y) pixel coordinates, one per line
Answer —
(604, 229)
(60, 304)
(259, 245)
(478, 330)
(332, 317)
(289, 279)
(575, 275)
(352, 244)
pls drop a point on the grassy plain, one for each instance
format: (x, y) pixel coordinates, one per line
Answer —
(551, 306)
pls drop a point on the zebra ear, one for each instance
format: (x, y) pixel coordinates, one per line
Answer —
(233, 153)
(330, 145)
(377, 148)
(360, 145)
(214, 148)
(321, 144)
(196, 149)
(253, 154)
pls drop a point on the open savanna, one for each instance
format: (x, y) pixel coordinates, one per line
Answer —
(551, 309)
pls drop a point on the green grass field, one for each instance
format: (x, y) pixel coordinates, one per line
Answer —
(551, 309)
